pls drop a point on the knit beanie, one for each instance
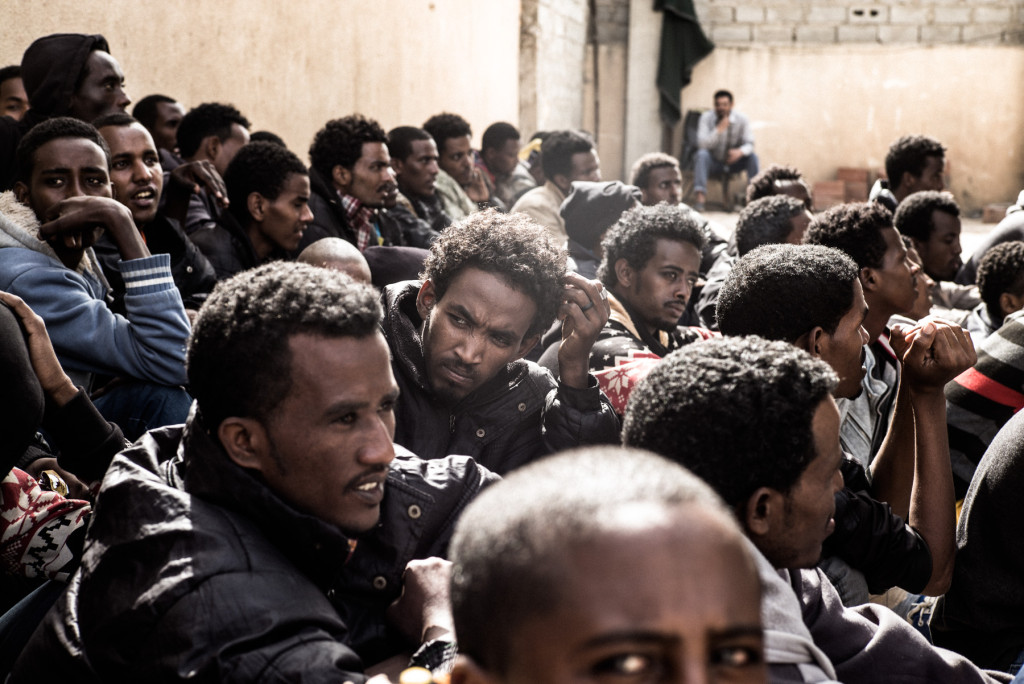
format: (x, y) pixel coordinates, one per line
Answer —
(592, 208)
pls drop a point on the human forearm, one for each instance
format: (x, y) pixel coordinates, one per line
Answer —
(892, 470)
(932, 503)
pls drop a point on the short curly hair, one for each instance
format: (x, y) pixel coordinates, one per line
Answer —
(737, 411)
(209, 118)
(763, 184)
(913, 216)
(53, 129)
(512, 246)
(557, 150)
(1001, 270)
(634, 238)
(642, 168)
(910, 154)
(145, 110)
(782, 291)
(508, 548)
(238, 360)
(854, 228)
(340, 143)
(443, 126)
(497, 134)
(766, 221)
(261, 167)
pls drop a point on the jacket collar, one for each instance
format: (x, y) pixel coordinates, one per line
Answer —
(204, 470)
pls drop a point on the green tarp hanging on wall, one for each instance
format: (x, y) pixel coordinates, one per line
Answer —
(683, 44)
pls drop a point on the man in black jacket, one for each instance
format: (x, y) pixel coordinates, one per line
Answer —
(265, 538)
(137, 181)
(493, 283)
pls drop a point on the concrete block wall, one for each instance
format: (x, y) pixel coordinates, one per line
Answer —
(922, 22)
(552, 46)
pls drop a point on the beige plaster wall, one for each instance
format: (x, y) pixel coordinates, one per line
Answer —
(291, 66)
(822, 108)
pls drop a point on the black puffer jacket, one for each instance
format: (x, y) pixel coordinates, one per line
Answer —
(517, 417)
(194, 569)
(228, 249)
(193, 275)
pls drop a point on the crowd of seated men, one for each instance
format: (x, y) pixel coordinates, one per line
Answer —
(398, 409)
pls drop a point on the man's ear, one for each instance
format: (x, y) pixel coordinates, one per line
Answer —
(397, 165)
(1010, 303)
(869, 279)
(341, 177)
(257, 206)
(466, 671)
(907, 181)
(426, 298)
(813, 341)
(21, 193)
(763, 512)
(245, 441)
(562, 182)
(526, 345)
(624, 273)
(210, 146)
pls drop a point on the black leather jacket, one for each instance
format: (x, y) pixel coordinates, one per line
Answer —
(194, 568)
(518, 416)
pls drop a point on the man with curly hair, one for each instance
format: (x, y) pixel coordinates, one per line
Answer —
(210, 136)
(756, 420)
(491, 286)
(650, 264)
(60, 205)
(1001, 284)
(932, 220)
(864, 231)
(566, 156)
(811, 296)
(269, 191)
(768, 220)
(267, 536)
(780, 180)
(352, 183)
(460, 184)
(913, 163)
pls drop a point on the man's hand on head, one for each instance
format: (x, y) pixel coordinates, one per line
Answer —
(932, 353)
(71, 225)
(423, 611)
(583, 313)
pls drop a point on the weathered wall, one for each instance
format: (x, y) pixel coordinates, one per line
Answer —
(822, 93)
(291, 66)
(985, 22)
(553, 45)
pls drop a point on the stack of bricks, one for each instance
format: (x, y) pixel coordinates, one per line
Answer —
(851, 185)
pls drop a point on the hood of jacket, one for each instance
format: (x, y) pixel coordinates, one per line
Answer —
(19, 227)
(51, 67)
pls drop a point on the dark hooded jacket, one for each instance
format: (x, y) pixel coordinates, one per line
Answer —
(50, 69)
(518, 416)
(219, 580)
